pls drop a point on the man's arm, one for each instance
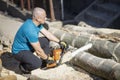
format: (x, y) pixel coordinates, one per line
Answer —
(49, 35)
(39, 50)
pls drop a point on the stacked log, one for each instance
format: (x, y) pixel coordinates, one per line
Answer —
(105, 68)
(101, 48)
(91, 30)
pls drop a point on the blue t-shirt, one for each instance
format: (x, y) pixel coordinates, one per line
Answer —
(27, 33)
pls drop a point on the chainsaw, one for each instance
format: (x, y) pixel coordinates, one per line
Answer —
(59, 53)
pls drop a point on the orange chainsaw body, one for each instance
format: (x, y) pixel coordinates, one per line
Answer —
(56, 56)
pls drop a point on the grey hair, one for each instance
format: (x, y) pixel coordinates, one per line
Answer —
(37, 12)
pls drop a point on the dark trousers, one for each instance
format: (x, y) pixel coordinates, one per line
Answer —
(28, 60)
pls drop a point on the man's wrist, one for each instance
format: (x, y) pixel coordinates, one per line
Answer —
(46, 58)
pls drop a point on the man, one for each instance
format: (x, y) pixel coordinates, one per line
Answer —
(27, 41)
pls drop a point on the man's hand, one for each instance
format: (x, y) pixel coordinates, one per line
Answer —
(63, 45)
(50, 60)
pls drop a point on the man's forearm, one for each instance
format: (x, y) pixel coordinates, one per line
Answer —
(49, 35)
(39, 50)
(41, 54)
(53, 38)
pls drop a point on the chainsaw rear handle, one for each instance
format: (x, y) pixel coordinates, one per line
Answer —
(63, 45)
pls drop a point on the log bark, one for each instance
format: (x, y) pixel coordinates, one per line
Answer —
(105, 68)
(91, 30)
(101, 48)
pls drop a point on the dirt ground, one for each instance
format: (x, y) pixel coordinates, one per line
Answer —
(66, 71)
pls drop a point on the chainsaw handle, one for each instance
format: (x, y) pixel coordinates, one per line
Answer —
(63, 45)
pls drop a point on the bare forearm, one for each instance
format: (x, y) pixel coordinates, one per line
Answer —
(41, 54)
(53, 38)
(49, 35)
(39, 50)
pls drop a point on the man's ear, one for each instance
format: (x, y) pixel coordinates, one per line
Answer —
(38, 19)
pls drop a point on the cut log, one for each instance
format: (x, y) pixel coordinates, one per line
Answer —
(105, 68)
(101, 48)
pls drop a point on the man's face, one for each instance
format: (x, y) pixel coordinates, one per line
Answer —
(41, 18)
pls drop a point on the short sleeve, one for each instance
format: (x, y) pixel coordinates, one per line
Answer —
(31, 35)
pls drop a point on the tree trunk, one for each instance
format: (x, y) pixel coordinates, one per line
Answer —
(105, 68)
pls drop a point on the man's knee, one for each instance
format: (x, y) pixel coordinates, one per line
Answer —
(34, 66)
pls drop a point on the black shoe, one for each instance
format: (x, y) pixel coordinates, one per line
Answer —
(24, 70)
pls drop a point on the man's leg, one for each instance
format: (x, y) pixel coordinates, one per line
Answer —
(28, 60)
(44, 42)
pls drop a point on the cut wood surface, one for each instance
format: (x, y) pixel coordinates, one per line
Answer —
(105, 68)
